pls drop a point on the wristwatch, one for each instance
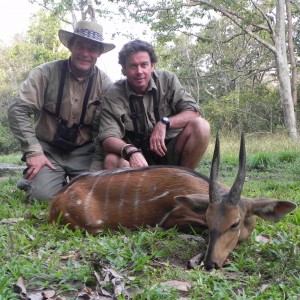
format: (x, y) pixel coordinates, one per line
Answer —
(166, 121)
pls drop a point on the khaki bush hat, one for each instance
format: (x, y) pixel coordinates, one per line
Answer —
(89, 30)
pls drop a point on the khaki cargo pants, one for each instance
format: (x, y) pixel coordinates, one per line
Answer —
(68, 165)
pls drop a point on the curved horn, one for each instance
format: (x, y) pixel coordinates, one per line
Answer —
(235, 192)
(214, 194)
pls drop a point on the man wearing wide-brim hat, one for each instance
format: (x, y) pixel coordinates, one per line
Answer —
(63, 97)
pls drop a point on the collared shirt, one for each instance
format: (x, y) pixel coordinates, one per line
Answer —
(38, 94)
(116, 115)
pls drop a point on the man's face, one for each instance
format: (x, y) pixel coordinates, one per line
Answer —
(84, 54)
(138, 69)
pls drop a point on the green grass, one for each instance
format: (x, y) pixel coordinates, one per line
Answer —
(11, 158)
(54, 257)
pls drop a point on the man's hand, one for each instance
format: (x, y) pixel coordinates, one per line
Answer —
(35, 163)
(157, 139)
(137, 160)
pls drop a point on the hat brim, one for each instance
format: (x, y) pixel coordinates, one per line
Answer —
(65, 36)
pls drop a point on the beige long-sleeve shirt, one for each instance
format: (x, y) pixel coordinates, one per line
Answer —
(27, 116)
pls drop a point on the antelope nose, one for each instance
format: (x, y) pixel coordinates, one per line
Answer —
(209, 265)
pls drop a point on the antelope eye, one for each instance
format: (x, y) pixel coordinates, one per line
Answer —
(235, 225)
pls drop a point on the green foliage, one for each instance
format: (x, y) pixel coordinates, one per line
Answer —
(253, 111)
(288, 156)
(39, 46)
(43, 33)
(11, 158)
(261, 161)
(158, 291)
(221, 79)
(8, 144)
(295, 166)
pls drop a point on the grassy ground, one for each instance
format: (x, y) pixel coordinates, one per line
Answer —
(151, 263)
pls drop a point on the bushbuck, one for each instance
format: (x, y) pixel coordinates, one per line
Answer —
(167, 196)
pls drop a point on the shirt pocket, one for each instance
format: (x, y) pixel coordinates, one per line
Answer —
(166, 109)
(127, 121)
(50, 101)
(93, 112)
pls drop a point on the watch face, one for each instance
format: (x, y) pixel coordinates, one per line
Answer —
(166, 120)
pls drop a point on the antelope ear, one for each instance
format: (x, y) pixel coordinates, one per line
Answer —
(195, 202)
(272, 210)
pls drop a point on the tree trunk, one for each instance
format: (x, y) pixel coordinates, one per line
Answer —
(291, 52)
(280, 53)
(283, 72)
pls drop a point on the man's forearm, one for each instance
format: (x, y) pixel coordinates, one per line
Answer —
(181, 119)
(113, 145)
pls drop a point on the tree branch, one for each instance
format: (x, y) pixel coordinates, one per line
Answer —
(271, 31)
(231, 15)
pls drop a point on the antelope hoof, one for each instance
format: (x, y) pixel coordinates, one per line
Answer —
(195, 261)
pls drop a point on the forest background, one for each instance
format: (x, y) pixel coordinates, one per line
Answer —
(240, 60)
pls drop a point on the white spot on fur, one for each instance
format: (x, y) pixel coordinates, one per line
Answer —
(78, 202)
(158, 197)
(122, 192)
(87, 207)
(137, 198)
(67, 215)
(107, 192)
(67, 189)
(98, 222)
(163, 195)
(166, 216)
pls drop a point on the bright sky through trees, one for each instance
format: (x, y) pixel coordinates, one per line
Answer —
(15, 19)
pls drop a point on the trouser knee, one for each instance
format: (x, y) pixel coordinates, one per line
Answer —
(42, 194)
(37, 191)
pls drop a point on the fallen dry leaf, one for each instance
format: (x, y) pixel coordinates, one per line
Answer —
(47, 294)
(75, 256)
(87, 294)
(195, 261)
(263, 288)
(20, 288)
(17, 220)
(118, 283)
(11, 220)
(182, 286)
(264, 239)
(102, 291)
(195, 238)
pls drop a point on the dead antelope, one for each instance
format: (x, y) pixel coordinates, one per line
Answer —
(167, 196)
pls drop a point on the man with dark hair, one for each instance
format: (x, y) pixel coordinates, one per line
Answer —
(63, 96)
(149, 118)
(134, 47)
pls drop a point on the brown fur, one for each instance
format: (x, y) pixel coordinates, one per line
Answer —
(165, 196)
